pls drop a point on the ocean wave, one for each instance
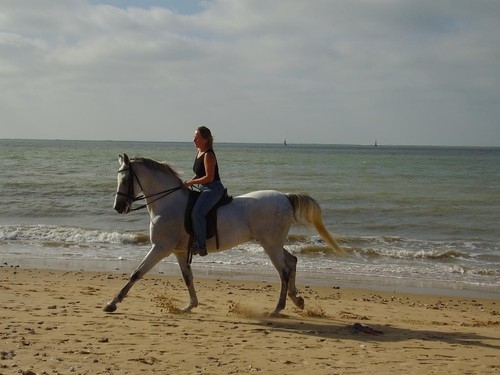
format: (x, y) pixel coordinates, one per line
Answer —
(405, 248)
(58, 236)
(488, 272)
(386, 252)
(367, 250)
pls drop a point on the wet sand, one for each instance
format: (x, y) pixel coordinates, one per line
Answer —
(52, 323)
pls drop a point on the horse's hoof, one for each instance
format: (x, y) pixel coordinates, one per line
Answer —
(300, 303)
(189, 307)
(110, 307)
(275, 314)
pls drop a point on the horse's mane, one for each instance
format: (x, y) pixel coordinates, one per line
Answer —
(161, 166)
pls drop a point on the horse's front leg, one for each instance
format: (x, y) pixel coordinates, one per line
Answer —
(187, 274)
(111, 305)
(152, 258)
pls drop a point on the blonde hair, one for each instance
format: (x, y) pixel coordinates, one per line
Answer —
(206, 134)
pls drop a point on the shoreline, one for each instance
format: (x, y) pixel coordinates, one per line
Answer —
(52, 323)
(426, 287)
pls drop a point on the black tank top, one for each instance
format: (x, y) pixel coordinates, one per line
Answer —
(199, 166)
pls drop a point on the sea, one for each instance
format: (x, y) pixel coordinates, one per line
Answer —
(410, 218)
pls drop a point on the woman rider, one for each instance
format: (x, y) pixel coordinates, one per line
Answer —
(207, 177)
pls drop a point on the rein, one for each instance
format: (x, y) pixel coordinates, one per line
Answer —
(161, 194)
(130, 193)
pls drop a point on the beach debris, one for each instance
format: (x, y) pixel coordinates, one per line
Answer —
(7, 354)
(358, 327)
(439, 305)
(150, 360)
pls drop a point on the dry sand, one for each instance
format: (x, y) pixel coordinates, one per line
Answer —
(52, 323)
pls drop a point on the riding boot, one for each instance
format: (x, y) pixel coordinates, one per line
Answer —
(202, 251)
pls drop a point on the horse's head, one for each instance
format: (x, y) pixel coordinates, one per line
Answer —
(125, 191)
(159, 179)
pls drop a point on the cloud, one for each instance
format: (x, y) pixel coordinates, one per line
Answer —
(257, 71)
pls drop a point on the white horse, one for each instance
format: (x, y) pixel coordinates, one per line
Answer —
(264, 216)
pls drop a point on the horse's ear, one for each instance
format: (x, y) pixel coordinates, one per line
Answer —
(123, 159)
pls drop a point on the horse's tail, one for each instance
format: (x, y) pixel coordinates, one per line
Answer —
(305, 207)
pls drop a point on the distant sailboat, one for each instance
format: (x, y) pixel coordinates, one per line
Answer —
(284, 142)
(376, 145)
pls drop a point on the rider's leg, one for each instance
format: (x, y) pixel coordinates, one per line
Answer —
(210, 195)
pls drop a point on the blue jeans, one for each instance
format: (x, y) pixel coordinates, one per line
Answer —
(210, 195)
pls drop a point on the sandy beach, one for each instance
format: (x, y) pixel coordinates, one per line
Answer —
(52, 323)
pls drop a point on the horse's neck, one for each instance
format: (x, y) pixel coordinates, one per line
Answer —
(154, 185)
(152, 182)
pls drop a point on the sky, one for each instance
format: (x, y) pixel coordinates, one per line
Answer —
(401, 72)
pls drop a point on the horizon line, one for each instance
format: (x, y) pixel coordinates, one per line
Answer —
(381, 145)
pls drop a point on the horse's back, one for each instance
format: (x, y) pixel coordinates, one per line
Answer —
(254, 205)
(264, 213)
(264, 195)
(262, 199)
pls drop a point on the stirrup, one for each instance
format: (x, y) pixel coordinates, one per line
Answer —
(193, 245)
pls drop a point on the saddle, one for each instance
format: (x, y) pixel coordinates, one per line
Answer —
(211, 217)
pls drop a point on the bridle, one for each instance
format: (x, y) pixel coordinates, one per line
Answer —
(130, 190)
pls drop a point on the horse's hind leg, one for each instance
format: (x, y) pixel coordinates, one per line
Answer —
(187, 274)
(284, 263)
(291, 262)
(282, 298)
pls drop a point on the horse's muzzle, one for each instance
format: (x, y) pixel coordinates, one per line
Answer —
(121, 206)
